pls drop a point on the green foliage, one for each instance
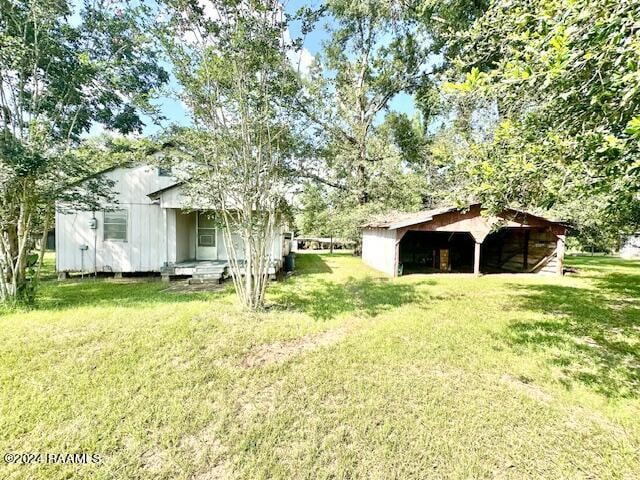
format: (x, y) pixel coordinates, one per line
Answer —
(231, 61)
(563, 79)
(565, 74)
(376, 50)
(597, 226)
(314, 218)
(56, 80)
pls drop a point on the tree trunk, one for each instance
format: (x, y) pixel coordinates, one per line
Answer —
(43, 247)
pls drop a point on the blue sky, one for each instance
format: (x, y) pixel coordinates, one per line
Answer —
(176, 113)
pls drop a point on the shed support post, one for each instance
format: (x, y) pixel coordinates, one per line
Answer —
(396, 259)
(525, 256)
(560, 246)
(476, 259)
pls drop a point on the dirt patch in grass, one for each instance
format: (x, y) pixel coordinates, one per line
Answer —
(525, 386)
(201, 444)
(281, 351)
(204, 448)
(260, 403)
(154, 460)
(220, 471)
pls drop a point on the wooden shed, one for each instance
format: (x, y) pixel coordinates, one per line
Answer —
(450, 239)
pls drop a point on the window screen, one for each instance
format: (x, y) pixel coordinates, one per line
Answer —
(206, 230)
(115, 225)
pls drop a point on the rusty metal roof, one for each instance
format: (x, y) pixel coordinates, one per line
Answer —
(394, 221)
(399, 220)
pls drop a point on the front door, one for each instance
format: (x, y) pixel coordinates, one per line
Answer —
(206, 248)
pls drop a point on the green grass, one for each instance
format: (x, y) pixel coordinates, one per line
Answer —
(443, 376)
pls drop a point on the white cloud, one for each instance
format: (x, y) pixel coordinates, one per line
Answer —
(301, 60)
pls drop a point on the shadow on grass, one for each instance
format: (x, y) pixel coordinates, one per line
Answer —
(311, 263)
(71, 294)
(325, 299)
(594, 337)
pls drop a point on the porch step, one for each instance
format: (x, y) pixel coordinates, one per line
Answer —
(210, 270)
(198, 280)
(209, 273)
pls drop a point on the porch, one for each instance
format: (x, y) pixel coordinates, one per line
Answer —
(198, 270)
(207, 270)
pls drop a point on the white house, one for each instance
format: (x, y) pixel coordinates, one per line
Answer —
(152, 228)
(631, 247)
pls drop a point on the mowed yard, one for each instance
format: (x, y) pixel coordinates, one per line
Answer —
(346, 375)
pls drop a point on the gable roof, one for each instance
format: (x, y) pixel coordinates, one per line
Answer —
(159, 192)
(399, 220)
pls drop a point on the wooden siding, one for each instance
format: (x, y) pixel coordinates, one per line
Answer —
(154, 235)
(518, 250)
(144, 250)
(543, 239)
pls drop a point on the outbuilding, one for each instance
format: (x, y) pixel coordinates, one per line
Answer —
(463, 240)
(631, 247)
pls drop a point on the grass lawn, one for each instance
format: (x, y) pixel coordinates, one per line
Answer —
(347, 375)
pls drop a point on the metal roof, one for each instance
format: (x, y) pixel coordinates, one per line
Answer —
(399, 220)
(394, 221)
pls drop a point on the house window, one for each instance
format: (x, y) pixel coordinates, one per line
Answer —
(206, 230)
(115, 225)
(164, 171)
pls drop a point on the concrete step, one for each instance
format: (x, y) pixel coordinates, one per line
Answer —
(207, 274)
(209, 270)
(197, 281)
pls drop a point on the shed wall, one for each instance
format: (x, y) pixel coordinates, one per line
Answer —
(631, 247)
(379, 249)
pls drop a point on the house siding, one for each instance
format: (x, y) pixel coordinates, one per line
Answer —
(379, 250)
(155, 235)
(276, 246)
(145, 249)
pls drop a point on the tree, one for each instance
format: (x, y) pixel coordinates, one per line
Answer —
(564, 78)
(56, 80)
(596, 226)
(376, 51)
(314, 217)
(231, 60)
(373, 156)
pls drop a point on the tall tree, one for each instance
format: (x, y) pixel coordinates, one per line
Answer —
(57, 78)
(377, 50)
(231, 59)
(313, 217)
(564, 77)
